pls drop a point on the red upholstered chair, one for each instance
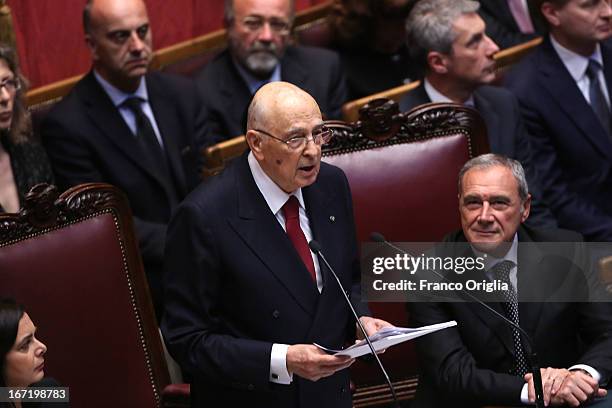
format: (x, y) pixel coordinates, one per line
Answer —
(73, 262)
(402, 168)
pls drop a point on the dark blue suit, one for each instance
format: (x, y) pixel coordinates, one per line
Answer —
(571, 150)
(468, 365)
(226, 96)
(507, 136)
(235, 285)
(88, 141)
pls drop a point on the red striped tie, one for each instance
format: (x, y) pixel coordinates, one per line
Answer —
(291, 211)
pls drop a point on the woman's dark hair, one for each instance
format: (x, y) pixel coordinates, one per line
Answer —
(10, 315)
(21, 125)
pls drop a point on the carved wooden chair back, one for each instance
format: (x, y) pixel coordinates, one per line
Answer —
(402, 169)
(73, 262)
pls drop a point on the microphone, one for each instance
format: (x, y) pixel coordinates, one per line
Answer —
(532, 356)
(316, 248)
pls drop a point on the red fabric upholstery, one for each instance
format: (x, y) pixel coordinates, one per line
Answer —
(82, 283)
(402, 169)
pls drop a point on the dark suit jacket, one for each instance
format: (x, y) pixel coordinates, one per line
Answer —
(29, 164)
(468, 365)
(571, 150)
(226, 96)
(235, 285)
(507, 136)
(88, 141)
(502, 27)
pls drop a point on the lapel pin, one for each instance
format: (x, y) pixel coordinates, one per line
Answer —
(332, 218)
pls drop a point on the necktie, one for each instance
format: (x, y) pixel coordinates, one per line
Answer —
(291, 211)
(502, 272)
(145, 134)
(598, 100)
(521, 16)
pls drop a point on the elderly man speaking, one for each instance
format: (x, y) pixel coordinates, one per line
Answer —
(246, 297)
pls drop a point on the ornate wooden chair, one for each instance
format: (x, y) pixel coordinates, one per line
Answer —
(73, 261)
(350, 110)
(402, 169)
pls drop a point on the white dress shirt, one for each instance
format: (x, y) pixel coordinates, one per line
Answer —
(436, 96)
(275, 198)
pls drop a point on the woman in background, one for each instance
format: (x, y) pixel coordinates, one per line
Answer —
(23, 161)
(22, 355)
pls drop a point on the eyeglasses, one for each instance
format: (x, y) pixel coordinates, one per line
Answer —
(319, 137)
(256, 24)
(11, 85)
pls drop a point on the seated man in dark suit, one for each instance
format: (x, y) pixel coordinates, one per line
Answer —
(125, 127)
(564, 92)
(482, 361)
(447, 39)
(245, 296)
(510, 22)
(259, 32)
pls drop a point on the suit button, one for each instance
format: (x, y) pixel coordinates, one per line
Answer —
(250, 387)
(275, 314)
(342, 390)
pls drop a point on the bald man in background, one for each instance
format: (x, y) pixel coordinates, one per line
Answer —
(245, 296)
(124, 126)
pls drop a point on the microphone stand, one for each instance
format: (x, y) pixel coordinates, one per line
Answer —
(531, 355)
(316, 248)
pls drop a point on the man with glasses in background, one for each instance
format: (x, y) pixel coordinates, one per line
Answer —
(259, 33)
(245, 296)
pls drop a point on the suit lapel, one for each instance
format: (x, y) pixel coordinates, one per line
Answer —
(292, 72)
(255, 220)
(168, 123)
(555, 78)
(234, 90)
(497, 141)
(111, 124)
(606, 54)
(529, 271)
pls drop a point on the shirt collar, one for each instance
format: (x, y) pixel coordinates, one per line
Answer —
(253, 82)
(490, 261)
(117, 96)
(275, 197)
(576, 64)
(436, 96)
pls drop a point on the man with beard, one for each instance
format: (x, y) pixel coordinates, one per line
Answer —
(259, 52)
(123, 126)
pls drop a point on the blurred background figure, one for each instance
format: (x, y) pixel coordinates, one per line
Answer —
(511, 22)
(23, 161)
(370, 37)
(22, 355)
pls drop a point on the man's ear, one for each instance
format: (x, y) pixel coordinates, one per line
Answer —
(526, 208)
(437, 62)
(91, 44)
(254, 140)
(550, 13)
